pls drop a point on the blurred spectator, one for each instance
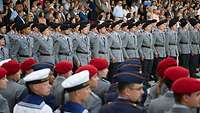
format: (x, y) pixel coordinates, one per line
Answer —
(83, 13)
(103, 5)
(118, 12)
(41, 18)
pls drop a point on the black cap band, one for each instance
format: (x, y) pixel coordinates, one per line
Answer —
(77, 87)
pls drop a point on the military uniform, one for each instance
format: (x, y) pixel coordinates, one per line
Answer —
(4, 105)
(177, 108)
(13, 93)
(32, 104)
(93, 43)
(4, 53)
(146, 50)
(63, 48)
(22, 48)
(130, 46)
(93, 103)
(43, 49)
(82, 49)
(115, 44)
(172, 41)
(122, 105)
(184, 46)
(167, 101)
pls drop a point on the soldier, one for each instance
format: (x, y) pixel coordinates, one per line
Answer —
(4, 108)
(43, 46)
(55, 30)
(38, 86)
(4, 52)
(171, 74)
(4, 33)
(146, 51)
(130, 93)
(81, 46)
(102, 45)
(171, 39)
(186, 96)
(22, 47)
(78, 88)
(93, 35)
(103, 85)
(194, 59)
(26, 68)
(130, 43)
(184, 44)
(93, 103)
(159, 43)
(115, 43)
(14, 91)
(160, 88)
(63, 69)
(63, 45)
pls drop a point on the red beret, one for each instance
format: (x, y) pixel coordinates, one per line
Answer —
(63, 67)
(27, 64)
(12, 67)
(3, 73)
(176, 72)
(164, 64)
(92, 70)
(99, 63)
(186, 86)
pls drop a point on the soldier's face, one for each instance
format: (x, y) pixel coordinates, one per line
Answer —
(42, 89)
(103, 30)
(17, 75)
(135, 92)
(3, 83)
(194, 99)
(103, 73)
(85, 30)
(93, 82)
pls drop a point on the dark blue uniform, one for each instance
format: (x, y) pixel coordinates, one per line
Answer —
(122, 105)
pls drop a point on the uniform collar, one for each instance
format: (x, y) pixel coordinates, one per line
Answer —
(73, 107)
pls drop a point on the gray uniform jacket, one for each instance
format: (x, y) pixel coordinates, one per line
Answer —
(194, 34)
(81, 45)
(3, 105)
(22, 48)
(160, 43)
(177, 108)
(167, 101)
(115, 47)
(184, 43)
(12, 93)
(93, 103)
(172, 42)
(4, 53)
(130, 46)
(63, 48)
(43, 49)
(146, 45)
(93, 44)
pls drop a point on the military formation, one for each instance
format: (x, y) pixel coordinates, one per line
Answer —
(143, 66)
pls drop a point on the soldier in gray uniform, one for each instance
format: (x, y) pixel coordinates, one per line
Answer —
(82, 46)
(63, 47)
(93, 35)
(171, 39)
(3, 81)
(63, 69)
(43, 46)
(14, 91)
(130, 43)
(194, 46)
(171, 75)
(159, 43)
(146, 49)
(184, 44)
(22, 47)
(115, 43)
(186, 96)
(3, 32)
(4, 52)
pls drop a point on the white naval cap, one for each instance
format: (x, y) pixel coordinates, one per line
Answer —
(4, 61)
(36, 77)
(76, 81)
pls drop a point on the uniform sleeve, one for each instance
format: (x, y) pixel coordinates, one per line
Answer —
(36, 49)
(4, 106)
(154, 41)
(15, 48)
(110, 41)
(140, 42)
(56, 50)
(75, 46)
(94, 45)
(124, 45)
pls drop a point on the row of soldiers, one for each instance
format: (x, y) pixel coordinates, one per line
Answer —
(118, 41)
(87, 91)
